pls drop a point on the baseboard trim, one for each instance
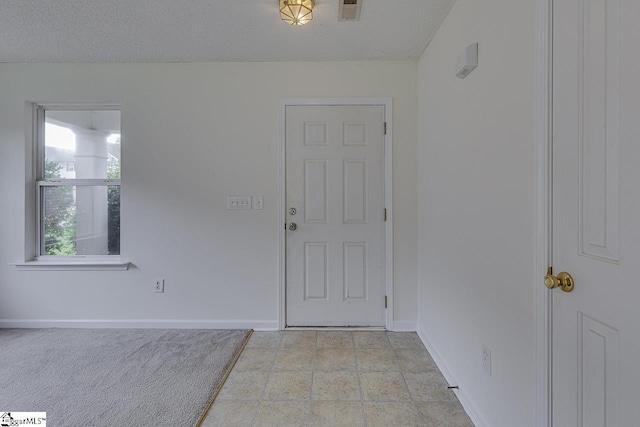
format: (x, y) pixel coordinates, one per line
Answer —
(404, 326)
(464, 399)
(258, 325)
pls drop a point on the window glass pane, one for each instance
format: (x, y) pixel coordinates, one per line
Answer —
(81, 220)
(82, 144)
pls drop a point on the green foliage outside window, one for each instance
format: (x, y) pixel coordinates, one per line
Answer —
(59, 215)
(113, 196)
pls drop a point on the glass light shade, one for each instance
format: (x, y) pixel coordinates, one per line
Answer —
(296, 12)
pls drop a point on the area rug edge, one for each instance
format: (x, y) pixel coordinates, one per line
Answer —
(224, 379)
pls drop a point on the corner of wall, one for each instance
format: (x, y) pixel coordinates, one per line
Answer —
(464, 398)
(472, 133)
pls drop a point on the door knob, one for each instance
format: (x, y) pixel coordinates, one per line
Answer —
(563, 281)
(292, 226)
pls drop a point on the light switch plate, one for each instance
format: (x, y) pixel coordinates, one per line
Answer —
(238, 202)
(258, 202)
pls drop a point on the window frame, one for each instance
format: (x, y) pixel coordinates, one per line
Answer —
(34, 251)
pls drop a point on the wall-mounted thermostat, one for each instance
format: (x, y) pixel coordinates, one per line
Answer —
(468, 61)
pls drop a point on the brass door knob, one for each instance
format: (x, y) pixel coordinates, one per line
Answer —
(563, 281)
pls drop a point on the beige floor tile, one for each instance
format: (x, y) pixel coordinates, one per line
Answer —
(386, 414)
(255, 359)
(383, 386)
(375, 359)
(371, 340)
(244, 386)
(288, 385)
(299, 339)
(443, 414)
(335, 339)
(336, 414)
(265, 340)
(300, 378)
(428, 386)
(335, 386)
(282, 414)
(294, 359)
(411, 360)
(231, 413)
(405, 340)
(335, 359)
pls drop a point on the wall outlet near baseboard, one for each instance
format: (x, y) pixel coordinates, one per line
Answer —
(486, 359)
(159, 285)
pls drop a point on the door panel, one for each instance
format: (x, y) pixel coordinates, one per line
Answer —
(355, 271)
(598, 373)
(335, 258)
(355, 191)
(315, 191)
(598, 167)
(596, 232)
(316, 274)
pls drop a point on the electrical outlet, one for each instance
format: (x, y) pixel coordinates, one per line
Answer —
(486, 359)
(159, 285)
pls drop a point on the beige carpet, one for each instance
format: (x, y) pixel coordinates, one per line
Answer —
(115, 377)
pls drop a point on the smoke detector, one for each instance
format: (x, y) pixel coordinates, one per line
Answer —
(349, 10)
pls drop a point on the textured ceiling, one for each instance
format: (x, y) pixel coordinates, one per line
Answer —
(211, 30)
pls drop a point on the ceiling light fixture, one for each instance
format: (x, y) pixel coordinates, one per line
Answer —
(296, 12)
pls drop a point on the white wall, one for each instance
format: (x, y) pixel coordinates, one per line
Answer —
(475, 255)
(192, 134)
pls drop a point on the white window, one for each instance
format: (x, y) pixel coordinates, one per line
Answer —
(77, 182)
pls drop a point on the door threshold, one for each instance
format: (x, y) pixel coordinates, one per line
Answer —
(335, 328)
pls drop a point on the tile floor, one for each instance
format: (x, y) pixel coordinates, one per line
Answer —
(309, 378)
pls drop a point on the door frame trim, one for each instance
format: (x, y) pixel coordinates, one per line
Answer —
(387, 103)
(543, 144)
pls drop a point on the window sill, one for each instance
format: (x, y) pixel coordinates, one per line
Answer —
(72, 265)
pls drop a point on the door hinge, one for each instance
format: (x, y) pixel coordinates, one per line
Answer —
(385, 214)
(385, 128)
(385, 301)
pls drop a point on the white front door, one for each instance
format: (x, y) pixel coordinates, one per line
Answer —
(596, 213)
(335, 256)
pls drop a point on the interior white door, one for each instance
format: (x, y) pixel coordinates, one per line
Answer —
(596, 213)
(335, 256)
